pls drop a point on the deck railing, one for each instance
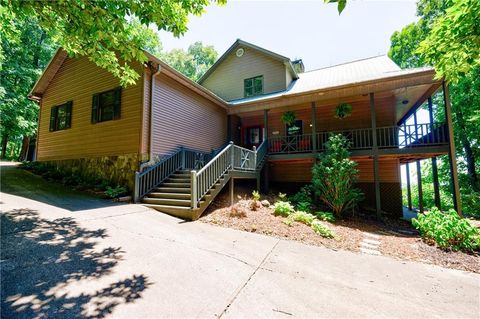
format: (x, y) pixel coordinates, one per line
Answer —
(262, 152)
(244, 159)
(387, 137)
(152, 176)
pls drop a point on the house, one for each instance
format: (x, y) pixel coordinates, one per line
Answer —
(167, 137)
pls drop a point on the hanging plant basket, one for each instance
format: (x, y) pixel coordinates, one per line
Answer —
(289, 118)
(343, 110)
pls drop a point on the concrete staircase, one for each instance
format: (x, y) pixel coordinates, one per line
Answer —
(173, 196)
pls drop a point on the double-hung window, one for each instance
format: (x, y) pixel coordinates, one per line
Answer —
(61, 117)
(106, 105)
(253, 86)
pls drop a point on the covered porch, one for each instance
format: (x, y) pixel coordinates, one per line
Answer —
(383, 122)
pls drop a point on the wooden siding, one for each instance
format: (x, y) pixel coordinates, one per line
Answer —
(184, 118)
(301, 170)
(77, 80)
(227, 80)
(326, 121)
(145, 138)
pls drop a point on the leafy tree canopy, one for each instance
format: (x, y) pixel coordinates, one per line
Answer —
(111, 33)
(194, 62)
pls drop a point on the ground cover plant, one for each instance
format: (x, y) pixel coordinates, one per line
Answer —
(97, 186)
(448, 230)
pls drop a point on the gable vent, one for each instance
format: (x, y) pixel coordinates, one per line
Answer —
(240, 52)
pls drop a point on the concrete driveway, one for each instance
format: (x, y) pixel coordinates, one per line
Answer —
(127, 261)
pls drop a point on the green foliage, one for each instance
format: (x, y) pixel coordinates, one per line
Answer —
(303, 199)
(282, 208)
(255, 195)
(289, 118)
(282, 196)
(326, 216)
(341, 4)
(25, 51)
(255, 203)
(115, 192)
(447, 230)
(194, 62)
(322, 229)
(111, 33)
(334, 176)
(343, 110)
(453, 44)
(302, 217)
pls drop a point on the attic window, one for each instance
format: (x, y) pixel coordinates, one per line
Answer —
(253, 86)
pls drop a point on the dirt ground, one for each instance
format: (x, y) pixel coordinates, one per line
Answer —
(397, 238)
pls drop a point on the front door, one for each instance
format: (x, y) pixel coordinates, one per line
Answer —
(252, 136)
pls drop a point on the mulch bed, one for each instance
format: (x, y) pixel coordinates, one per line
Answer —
(398, 238)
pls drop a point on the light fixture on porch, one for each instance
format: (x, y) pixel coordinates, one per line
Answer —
(405, 102)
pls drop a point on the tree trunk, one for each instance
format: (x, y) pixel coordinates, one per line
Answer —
(467, 147)
(24, 152)
(4, 145)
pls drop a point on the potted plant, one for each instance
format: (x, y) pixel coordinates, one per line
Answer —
(289, 118)
(343, 110)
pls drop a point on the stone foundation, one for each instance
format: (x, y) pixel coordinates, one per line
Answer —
(117, 170)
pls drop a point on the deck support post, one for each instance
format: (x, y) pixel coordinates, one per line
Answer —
(451, 152)
(409, 190)
(376, 175)
(314, 127)
(231, 190)
(419, 186)
(265, 125)
(436, 188)
(193, 185)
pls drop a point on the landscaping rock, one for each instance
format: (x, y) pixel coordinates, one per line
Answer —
(265, 203)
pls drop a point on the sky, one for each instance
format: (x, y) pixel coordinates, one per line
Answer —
(310, 30)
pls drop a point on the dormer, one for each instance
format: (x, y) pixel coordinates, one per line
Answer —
(246, 70)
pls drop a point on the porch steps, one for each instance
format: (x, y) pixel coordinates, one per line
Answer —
(173, 196)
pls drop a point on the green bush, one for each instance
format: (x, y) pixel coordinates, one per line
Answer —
(302, 217)
(322, 230)
(334, 176)
(447, 230)
(327, 216)
(282, 197)
(304, 206)
(282, 208)
(115, 192)
(255, 202)
(302, 196)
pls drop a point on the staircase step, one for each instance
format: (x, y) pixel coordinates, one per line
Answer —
(168, 202)
(176, 185)
(170, 195)
(176, 179)
(163, 189)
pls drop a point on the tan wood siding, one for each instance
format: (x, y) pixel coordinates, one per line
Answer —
(227, 79)
(77, 80)
(184, 118)
(301, 170)
(145, 139)
(326, 121)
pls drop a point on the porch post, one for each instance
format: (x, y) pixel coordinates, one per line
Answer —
(451, 151)
(231, 191)
(376, 174)
(314, 127)
(265, 125)
(436, 189)
(229, 128)
(409, 190)
(419, 185)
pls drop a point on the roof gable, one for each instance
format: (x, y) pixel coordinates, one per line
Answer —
(240, 43)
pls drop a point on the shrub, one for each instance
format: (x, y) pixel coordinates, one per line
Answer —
(326, 216)
(447, 230)
(302, 217)
(304, 206)
(282, 197)
(255, 203)
(302, 196)
(238, 211)
(282, 208)
(334, 176)
(322, 230)
(115, 192)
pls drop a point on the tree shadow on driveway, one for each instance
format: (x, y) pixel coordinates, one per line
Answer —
(42, 261)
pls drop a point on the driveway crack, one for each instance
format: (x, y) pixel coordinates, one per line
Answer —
(248, 280)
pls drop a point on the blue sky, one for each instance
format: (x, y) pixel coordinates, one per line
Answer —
(310, 30)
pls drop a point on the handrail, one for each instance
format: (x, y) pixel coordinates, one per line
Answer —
(203, 180)
(147, 180)
(261, 153)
